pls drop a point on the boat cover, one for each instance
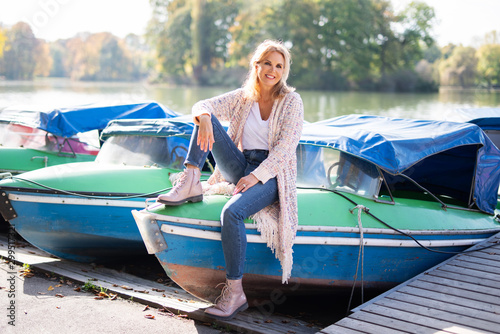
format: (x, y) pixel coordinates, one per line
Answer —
(456, 151)
(178, 126)
(69, 121)
(486, 118)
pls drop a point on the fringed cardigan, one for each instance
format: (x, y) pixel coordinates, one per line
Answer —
(278, 222)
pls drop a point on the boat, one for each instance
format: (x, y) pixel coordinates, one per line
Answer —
(380, 200)
(33, 137)
(82, 211)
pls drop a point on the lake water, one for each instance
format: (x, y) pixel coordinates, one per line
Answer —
(318, 105)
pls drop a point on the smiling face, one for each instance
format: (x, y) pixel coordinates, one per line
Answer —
(270, 69)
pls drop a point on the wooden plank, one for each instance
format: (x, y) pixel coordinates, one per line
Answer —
(402, 313)
(450, 306)
(486, 256)
(471, 272)
(441, 278)
(478, 267)
(432, 314)
(448, 290)
(480, 305)
(480, 260)
(493, 252)
(478, 281)
(365, 327)
(397, 324)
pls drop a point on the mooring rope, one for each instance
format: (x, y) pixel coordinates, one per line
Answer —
(361, 255)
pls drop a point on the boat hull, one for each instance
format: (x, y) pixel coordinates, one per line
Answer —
(82, 212)
(77, 229)
(328, 258)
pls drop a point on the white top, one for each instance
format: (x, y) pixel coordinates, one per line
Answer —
(256, 131)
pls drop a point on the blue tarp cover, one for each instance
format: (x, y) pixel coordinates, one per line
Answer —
(69, 121)
(178, 126)
(398, 145)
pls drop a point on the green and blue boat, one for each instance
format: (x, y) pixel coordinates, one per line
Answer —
(82, 211)
(33, 137)
(380, 200)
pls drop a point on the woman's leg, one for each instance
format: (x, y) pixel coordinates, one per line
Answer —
(229, 159)
(232, 299)
(238, 208)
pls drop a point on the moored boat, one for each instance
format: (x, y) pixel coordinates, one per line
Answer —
(379, 200)
(81, 211)
(33, 137)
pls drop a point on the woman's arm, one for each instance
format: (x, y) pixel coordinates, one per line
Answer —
(221, 106)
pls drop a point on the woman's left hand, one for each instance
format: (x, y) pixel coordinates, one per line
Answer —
(244, 183)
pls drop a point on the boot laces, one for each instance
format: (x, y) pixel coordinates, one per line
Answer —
(180, 180)
(224, 297)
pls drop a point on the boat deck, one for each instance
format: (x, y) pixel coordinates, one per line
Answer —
(151, 292)
(460, 295)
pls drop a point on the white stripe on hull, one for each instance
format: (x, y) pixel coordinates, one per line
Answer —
(319, 228)
(77, 201)
(327, 241)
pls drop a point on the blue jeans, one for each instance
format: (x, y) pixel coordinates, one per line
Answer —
(233, 165)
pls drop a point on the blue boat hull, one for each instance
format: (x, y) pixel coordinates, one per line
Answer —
(325, 261)
(78, 229)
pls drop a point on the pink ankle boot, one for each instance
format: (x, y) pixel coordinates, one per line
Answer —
(186, 189)
(231, 301)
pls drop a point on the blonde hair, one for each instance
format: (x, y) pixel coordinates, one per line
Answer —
(251, 85)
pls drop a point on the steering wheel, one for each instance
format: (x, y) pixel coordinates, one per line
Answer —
(330, 177)
(176, 158)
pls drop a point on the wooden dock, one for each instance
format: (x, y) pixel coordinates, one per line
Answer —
(151, 293)
(460, 295)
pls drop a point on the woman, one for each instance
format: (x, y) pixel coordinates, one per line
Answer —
(257, 154)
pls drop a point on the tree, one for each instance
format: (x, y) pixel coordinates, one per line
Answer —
(460, 68)
(58, 54)
(416, 22)
(100, 56)
(3, 40)
(488, 64)
(19, 53)
(335, 44)
(191, 35)
(43, 59)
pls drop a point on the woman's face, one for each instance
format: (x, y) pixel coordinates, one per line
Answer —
(270, 69)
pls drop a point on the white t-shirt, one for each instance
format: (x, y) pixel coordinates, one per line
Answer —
(255, 131)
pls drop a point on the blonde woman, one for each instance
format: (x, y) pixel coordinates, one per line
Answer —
(257, 154)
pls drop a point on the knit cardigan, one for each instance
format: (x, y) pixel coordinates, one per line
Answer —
(278, 222)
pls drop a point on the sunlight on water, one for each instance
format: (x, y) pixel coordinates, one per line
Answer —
(318, 105)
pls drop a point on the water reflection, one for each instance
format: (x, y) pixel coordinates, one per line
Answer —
(319, 105)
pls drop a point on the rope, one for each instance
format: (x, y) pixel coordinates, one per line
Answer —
(361, 255)
(90, 196)
(395, 229)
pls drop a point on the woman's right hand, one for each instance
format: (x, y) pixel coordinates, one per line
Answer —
(205, 138)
